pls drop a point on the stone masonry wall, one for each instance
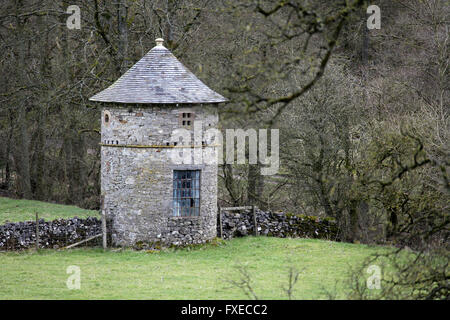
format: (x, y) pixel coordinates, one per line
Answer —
(180, 231)
(280, 225)
(137, 183)
(52, 234)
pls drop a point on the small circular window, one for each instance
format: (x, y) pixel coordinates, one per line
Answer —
(107, 117)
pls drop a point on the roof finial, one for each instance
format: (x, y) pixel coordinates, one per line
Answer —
(159, 42)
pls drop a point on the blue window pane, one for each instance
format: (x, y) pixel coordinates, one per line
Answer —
(186, 192)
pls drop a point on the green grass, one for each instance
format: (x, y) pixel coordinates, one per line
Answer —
(200, 273)
(14, 210)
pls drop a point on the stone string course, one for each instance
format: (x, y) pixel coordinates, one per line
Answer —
(181, 231)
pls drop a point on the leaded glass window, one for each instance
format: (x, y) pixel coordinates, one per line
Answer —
(186, 193)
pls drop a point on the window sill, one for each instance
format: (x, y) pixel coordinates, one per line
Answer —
(184, 217)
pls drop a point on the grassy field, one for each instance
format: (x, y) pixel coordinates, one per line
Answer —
(14, 210)
(201, 273)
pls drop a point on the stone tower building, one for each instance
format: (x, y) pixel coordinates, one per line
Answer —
(147, 198)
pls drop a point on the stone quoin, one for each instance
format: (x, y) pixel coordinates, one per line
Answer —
(147, 199)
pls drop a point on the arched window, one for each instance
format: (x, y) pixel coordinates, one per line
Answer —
(106, 117)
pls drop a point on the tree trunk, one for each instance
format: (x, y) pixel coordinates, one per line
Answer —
(255, 185)
(22, 155)
(169, 23)
(122, 28)
(8, 150)
(354, 221)
(38, 159)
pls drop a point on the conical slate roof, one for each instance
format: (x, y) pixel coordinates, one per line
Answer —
(158, 78)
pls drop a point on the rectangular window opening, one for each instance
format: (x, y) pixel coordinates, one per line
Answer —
(186, 193)
(186, 119)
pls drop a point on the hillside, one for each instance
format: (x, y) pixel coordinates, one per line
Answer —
(14, 210)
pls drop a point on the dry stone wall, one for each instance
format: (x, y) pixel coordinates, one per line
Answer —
(52, 234)
(277, 225)
(180, 231)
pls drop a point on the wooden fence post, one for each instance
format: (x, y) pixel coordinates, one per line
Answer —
(220, 223)
(37, 231)
(255, 224)
(103, 222)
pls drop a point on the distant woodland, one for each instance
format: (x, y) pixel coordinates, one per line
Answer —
(363, 114)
